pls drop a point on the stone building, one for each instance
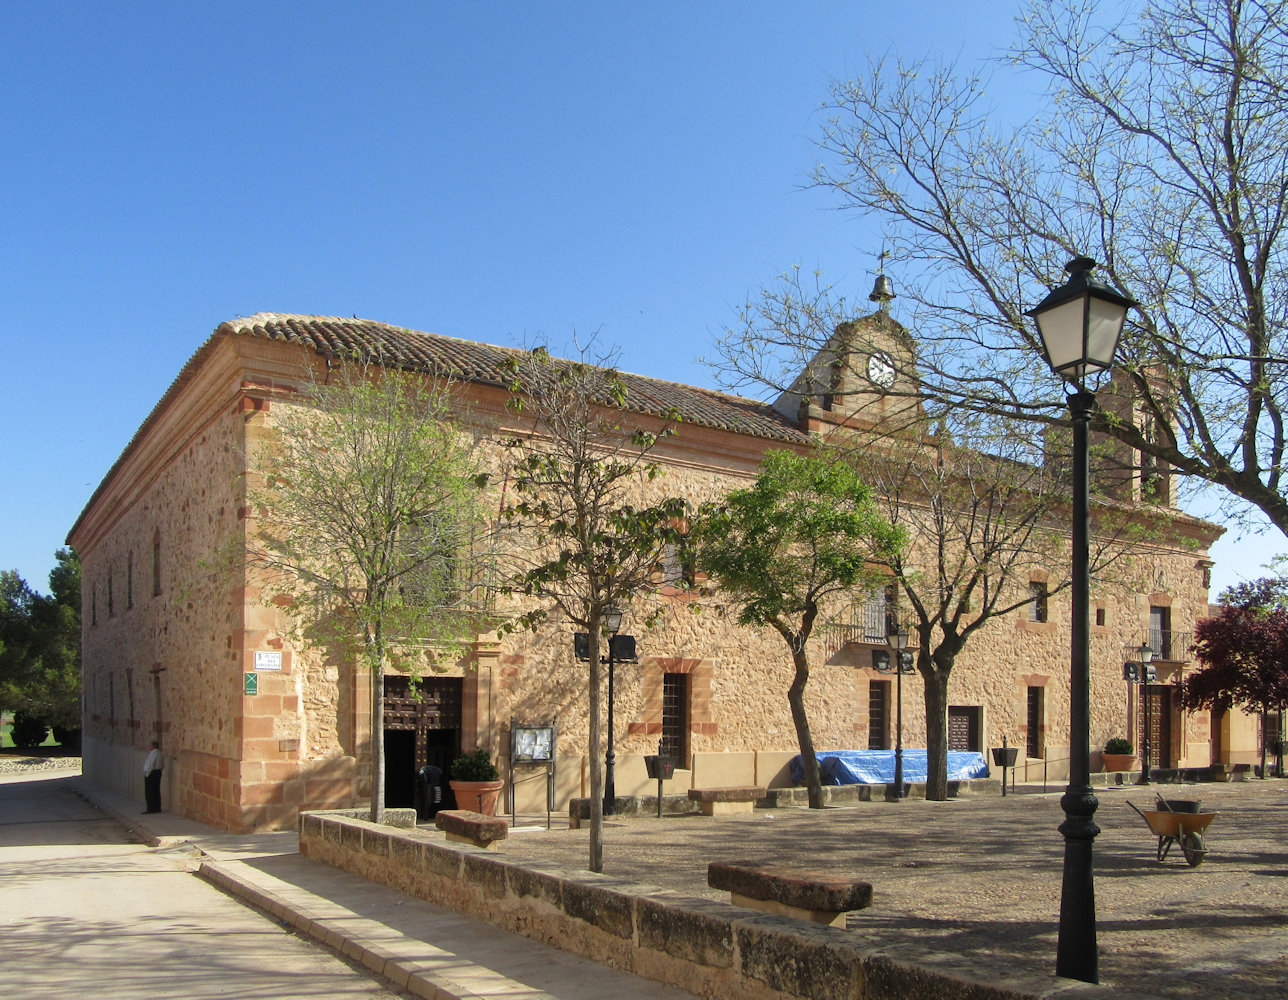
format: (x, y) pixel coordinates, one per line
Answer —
(180, 645)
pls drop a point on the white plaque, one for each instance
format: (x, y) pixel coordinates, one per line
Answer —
(266, 660)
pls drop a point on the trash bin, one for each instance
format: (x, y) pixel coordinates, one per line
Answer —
(659, 766)
(429, 791)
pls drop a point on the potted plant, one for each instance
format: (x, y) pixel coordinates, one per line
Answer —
(1118, 755)
(475, 782)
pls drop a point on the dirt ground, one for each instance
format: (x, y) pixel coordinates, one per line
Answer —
(981, 877)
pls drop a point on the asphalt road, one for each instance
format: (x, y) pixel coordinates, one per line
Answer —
(85, 910)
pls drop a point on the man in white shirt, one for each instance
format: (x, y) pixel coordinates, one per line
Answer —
(153, 764)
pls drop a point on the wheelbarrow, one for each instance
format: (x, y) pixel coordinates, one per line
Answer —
(1178, 823)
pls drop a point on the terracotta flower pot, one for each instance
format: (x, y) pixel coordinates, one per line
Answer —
(477, 796)
(1119, 761)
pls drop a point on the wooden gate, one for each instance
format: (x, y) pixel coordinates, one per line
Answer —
(964, 727)
(1155, 711)
(422, 727)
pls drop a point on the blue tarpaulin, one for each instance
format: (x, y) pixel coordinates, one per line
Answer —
(876, 767)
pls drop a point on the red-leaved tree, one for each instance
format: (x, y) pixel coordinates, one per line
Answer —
(1244, 651)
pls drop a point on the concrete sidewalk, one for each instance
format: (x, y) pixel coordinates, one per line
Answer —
(424, 949)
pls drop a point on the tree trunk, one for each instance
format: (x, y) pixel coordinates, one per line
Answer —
(936, 684)
(375, 662)
(796, 699)
(596, 862)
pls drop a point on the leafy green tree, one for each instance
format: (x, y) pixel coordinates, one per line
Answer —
(578, 478)
(784, 551)
(57, 623)
(16, 639)
(40, 647)
(367, 500)
(1160, 151)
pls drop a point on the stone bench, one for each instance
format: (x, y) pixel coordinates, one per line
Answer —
(823, 899)
(734, 799)
(465, 827)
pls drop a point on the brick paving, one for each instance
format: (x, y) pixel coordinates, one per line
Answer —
(980, 877)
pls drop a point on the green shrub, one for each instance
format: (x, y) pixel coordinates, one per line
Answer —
(474, 766)
(1118, 745)
(28, 731)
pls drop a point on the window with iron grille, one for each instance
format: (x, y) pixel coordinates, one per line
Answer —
(675, 717)
(1034, 747)
(678, 563)
(1037, 601)
(877, 715)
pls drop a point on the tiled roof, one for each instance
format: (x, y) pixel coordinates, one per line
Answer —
(461, 359)
(486, 364)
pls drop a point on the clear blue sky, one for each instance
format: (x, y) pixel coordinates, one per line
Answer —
(507, 172)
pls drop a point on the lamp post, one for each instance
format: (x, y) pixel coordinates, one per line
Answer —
(897, 640)
(1079, 324)
(613, 625)
(1146, 656)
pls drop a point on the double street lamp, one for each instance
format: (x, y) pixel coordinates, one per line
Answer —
(621, 648)
(897, 640)
(1079, 324)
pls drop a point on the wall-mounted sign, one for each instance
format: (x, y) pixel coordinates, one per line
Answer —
(252, 683)
(268, 660)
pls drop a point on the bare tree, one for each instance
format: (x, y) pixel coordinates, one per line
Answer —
(366, 502)
(983, 521)
(578, 480)
(1163, 155)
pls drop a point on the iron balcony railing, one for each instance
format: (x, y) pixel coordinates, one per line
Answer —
(1166, 644)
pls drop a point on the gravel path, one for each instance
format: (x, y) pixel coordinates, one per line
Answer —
(13, 764)
(981, 876)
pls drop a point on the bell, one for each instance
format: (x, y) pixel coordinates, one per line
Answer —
(882, 290)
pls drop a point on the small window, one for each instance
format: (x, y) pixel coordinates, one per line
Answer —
(1037, 601)
(93, 604)
(1035, 715)
(675, 718)
(156, 563)
(877, 738)
(678, 564)
(110, 610)
(129, 580)
(1100, 616)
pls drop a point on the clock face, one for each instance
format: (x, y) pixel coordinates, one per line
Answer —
(881, 369)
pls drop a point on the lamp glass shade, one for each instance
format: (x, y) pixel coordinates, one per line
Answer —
(1146, 653)
(612, 620)
(898, 638)
(1080, 323)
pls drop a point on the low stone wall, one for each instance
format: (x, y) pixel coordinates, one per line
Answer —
(706, 947)
(781, 798)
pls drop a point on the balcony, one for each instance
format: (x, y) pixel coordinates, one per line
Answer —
(1169, 646)
(866, 627)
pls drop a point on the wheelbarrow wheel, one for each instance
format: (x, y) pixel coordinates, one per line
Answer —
(1194, 848)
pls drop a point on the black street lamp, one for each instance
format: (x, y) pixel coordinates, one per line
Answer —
(621, 649)
(613, 625)
(897, 640)
(1146, 657)
(1079, 324)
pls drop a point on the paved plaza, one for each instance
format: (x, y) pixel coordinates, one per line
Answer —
(980, 876)
(977, 876)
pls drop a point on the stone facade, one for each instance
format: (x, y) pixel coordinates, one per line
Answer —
(176, 629)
